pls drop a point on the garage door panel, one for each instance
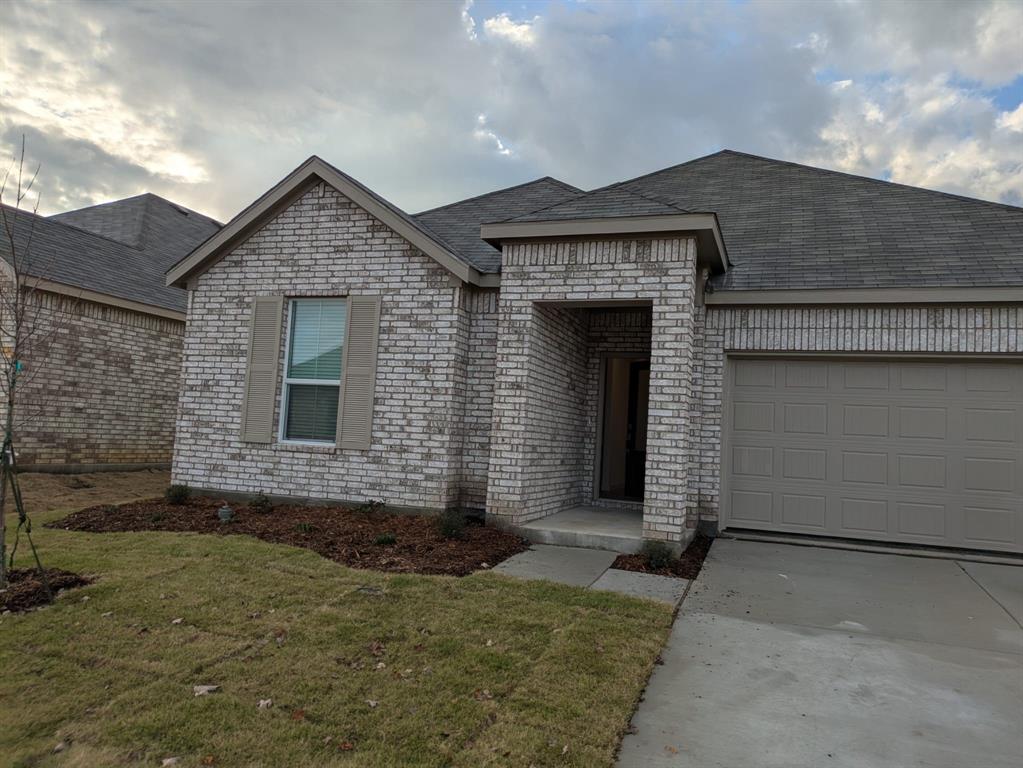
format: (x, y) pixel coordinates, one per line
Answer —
(925, 453)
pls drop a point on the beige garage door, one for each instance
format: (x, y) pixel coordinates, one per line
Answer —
(919, 452)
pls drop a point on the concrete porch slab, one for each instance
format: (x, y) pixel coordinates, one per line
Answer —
(565, 565)
(646, 585)
(591, 527)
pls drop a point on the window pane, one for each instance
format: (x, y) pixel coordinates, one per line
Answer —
(317, 334)
(312, 412)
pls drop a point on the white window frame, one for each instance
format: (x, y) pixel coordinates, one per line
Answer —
(282, 427)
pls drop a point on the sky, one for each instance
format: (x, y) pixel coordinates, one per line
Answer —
(211, 103)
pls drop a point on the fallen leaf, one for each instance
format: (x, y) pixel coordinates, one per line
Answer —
(265, 703)
(298, 714)
(168, 761)
(108, 613)
(346, 746)
(204, 690)
(208, 760)
(490, 643)
(61, 746)
(377, 648)
(176, 621)
(372, 703)
(482, 694)
(381, 665)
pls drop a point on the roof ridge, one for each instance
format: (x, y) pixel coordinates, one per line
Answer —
(498, 191)
(860, 177)
(593, 192)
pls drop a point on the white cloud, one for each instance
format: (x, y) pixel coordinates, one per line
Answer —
(487, 136)
(521, 33)
(179, 98)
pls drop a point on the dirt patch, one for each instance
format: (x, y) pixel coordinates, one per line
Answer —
(686, 567)
(25, 589)
(408, 543)
(44, 492)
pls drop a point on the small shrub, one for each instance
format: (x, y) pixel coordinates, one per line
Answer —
(261, 503)
(657, 554)
(451, 524)
(157, 517)
(177, 494)
(386, 539)
(305, 527)
(372, 506)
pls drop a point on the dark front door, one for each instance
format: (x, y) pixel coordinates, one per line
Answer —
(624, 428)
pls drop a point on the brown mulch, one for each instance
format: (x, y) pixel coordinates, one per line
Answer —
(340, 533)
(25, 589)
(686, 567)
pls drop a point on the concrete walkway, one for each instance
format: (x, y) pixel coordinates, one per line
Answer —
(590, 568)
(799, 657)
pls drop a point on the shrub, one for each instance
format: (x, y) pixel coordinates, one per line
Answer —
(657, 554)
(261, 503)
(451, 524)
(372, 506)
(386, 539)
(305, 527)
(177, 494)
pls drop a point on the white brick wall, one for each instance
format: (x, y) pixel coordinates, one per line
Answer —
(527, 478)
(323, 244)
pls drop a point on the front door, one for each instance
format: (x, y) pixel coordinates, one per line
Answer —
(624, 427)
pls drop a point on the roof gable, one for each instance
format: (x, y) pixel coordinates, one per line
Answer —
(311, 172)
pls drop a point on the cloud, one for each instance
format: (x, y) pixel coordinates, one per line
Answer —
(211, 104)
(521, 33)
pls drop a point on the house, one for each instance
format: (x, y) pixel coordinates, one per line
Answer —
(733, 342)
(100, 384)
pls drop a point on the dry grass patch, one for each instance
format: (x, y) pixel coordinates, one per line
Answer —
(362, 668)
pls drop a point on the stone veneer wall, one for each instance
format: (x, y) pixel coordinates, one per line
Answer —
(325, 245)
(101, 391)
(875, 329)
(658, 270)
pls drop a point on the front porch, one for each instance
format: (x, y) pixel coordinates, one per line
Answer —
(618, 529)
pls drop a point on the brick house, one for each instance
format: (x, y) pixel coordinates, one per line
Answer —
(734, 342)
(101, 391)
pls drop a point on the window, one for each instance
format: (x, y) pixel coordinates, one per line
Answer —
(312, 370)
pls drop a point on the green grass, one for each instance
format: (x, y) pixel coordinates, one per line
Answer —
(478, 671)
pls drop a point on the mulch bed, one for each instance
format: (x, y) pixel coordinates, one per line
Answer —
(25, 589)
(686, 567)
(340, 533)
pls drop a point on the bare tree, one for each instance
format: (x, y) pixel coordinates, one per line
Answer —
(25, 333)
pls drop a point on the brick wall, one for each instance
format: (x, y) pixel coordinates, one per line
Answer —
(102, 387)
(480, 307)
(659, 271)
(323, 244)
(878, 329)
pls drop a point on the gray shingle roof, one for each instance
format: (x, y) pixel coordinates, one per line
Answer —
(794, 226)
(78, 248)
(161, 228)
(458, 224)
(609, 202)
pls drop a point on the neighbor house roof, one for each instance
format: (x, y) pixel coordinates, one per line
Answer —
(115, 251)
(459, 223)
(148, 222)
(789, 226)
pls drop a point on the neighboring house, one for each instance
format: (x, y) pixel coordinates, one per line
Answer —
(101, 391)
(734, 341)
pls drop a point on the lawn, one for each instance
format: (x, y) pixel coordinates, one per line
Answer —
(362, 668)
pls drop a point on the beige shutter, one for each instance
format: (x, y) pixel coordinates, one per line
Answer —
(358, 373)
(261, 375)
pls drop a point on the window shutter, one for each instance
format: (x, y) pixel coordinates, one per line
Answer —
(261, 375)
(358, 373)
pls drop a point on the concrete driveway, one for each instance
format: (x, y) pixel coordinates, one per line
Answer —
(796, 656)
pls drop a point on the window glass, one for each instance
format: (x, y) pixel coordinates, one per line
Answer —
(312, 375)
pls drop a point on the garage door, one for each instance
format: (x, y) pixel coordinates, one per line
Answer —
(916, 452)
